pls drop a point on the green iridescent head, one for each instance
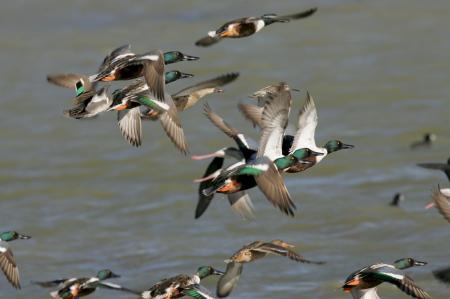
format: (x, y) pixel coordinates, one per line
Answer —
(106, 274)
(335, 145)
(172, 76)
(408, 262)
(11, 236)
(205, 271)
(175, 56)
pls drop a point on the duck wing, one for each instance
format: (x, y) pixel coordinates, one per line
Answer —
(51, 283)
(113, 286)
(283, 251)
(229, 280)
(443, 274)
(241, 204)
(252, 113)
(115, 55)
(69, 80)
(442, 204)
(272, 185)
(195, 92)
(207, 41)
(172, 125)
(154, 73)
(8, 265)
(198, 292)
(274, 122)
(130, 125)
(204, 200)
(437, 166)
(306, 127)
(300, 15)
(226, 128)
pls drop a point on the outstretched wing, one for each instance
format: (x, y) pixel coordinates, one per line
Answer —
(300, 15)
(283, 251)
(130, 125)
(306, 127)
(442, 203)
(9, 266)
(172, 126)
(154, 73)
(229, 280)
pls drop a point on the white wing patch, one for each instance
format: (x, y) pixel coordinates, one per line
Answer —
(306, 127)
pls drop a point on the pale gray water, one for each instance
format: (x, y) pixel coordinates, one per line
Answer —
(379, 72)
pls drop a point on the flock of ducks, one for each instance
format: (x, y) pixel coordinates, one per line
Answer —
(261, 166)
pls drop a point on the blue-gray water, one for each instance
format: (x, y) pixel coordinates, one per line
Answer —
(378, 70)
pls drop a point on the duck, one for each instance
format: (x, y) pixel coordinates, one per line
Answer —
(440, 199)
(182, 285)
(427, 140)
(244, 27)
(8, 263)
(444, 167)
(129, 66)
(442, 274)
(246, 173)
(189, 96)
(362, 283)
(127, 102)
(304, 136)
(72, 288)
(398, 197)
(251, 252)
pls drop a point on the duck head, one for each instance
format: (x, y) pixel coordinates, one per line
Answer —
(336, 145)
(12, 235)
(106, 274)
(172, 76)
(408, 262)
(205, 271)
(176, 56)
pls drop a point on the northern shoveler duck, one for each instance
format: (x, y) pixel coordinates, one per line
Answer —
(440, 199)
(254, 170)
(188, 97)
(247, 26)
(251, 252)
(69, 80)
(7, 260)
(127, 101)
(88, 102)
(72, 288)
(398, 197)
(182, 285)
(427, 140)
(362, 283)
(130, 66)
(444, 167)
(304, 137)
(442, 274)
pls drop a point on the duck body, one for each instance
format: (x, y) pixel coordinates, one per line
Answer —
(182, 285)
(247, 26)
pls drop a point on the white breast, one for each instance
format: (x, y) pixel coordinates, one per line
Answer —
(365, 294)
(259, 25)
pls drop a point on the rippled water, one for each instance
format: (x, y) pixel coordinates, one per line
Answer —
(379, 72)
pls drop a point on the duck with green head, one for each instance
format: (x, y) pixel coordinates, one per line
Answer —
(72, 288)
(149, 65)
(247, 26)
(7, 260)
(182, 285)
(362, 284)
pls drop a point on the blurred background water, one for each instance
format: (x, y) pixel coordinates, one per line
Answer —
(378, 71)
